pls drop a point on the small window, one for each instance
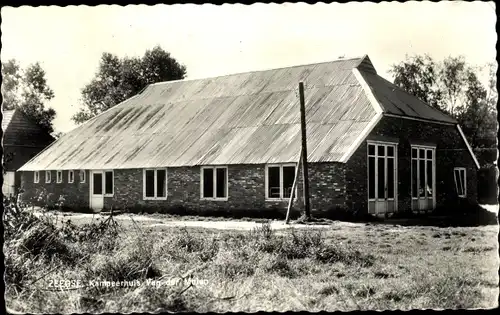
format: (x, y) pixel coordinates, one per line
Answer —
(81, 175)
(59, 177)
(155, 184)
(371, 149)
(279, 181)
(460, 181)
(48, 177)
(71, 176)
(390, 151)
(381, 150)
(214, 182)
(108, 183)
(36, 177)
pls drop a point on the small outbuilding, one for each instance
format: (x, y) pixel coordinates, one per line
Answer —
(233, 143)
(22, 139)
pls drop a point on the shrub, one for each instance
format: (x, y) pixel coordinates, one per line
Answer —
(133, 261)
(231, 263)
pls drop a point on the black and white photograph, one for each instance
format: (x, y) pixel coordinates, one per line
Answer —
(244, 158)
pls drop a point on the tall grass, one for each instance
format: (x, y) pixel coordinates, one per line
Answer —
(305, 269)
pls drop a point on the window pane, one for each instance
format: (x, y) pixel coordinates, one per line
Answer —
(208, 183)
(59, 176)
(150, 183)
(161, 176)
(462, 181)
(108, 182)
(273, 181)
(414, 153)
(390, 178)
(381, 150)
(381, 178)
(429, 179)
(371, 149)
(288, 177)
(390, 151)
(422, 153)
(456, 176)
(429, 154)
(414, 187)
(371, 177)
(97, 185)
(421, 177)
(71, 175)
(82, 176)
(221, 183)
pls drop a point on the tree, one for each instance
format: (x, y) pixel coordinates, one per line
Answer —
(119, 79)
(418, 76)
(27, 90)
(453, 86)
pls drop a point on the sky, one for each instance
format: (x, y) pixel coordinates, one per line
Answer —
(217, 40)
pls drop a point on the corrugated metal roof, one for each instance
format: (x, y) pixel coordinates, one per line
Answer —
(397, 101)
(246, 118)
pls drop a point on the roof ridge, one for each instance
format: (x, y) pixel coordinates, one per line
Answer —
(262, 70)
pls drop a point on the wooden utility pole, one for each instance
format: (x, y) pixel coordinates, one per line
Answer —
(305, 173)
(290, 202)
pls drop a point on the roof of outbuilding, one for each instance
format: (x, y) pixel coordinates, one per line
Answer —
(245, 118)
(6, 118)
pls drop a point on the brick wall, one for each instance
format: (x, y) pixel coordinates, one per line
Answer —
(451, 152)
(76, 194)
(246, 184)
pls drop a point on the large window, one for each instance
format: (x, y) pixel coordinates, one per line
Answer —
(214, 181)
(460, 181)
(381, 171)
(279, 181)
(36, 178)
(155, 184)
(422, 172)
(48, 177)
(108, 183)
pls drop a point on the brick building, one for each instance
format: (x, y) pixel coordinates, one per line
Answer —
(22, 139)
(232, 143)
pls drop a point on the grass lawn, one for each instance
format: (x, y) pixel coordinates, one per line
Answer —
(347, 267)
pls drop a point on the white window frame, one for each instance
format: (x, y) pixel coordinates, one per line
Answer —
(48, 177)
(71, 180)
(460, 170)
(104, 183)
(82, 181)
(418, 159)
(59, 179)
(385, 144)
(214, 179)
(36, 177)
(266, 175)
(155, 184)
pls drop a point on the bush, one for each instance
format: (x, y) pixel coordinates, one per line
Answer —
(133, 261)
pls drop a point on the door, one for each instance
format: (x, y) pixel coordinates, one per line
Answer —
(8, 187)
(382, 178)
(423, 183)
(96, 190)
